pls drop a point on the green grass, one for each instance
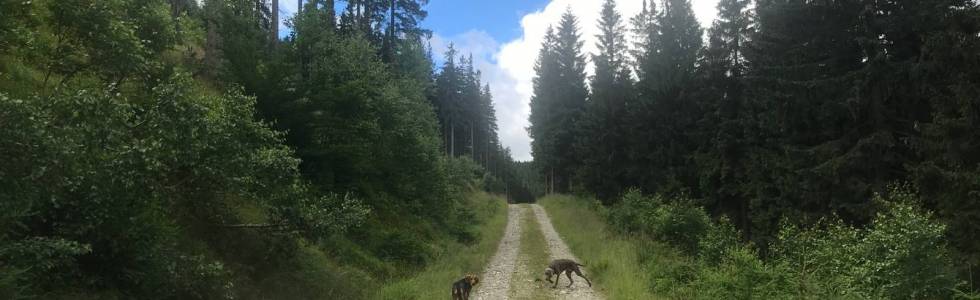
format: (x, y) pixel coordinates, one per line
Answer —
(615, 263)
(435, 281)
(534, 256)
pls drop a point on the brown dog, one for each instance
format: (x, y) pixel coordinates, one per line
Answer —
(566, 266)
(462, 287)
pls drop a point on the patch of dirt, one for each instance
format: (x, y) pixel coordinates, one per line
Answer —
(558, 249)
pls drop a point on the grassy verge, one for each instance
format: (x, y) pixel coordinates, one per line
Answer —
(615, 263)
(434, 282)
(533, 258)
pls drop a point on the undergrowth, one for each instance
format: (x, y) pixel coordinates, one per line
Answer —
(435, 279)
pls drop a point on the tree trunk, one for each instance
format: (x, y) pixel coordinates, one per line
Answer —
(452, 136)
(552, 189)
(472, 143)
(389, 44)
(332, 13)
(274, 10)
(211, 55)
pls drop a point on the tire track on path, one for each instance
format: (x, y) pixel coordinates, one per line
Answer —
(558, 249)
(495, 280)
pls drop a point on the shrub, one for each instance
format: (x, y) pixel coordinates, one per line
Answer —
(629, 215)
(720, 238)
(678, 221)
(902, 254)
(464, 175)
(739, 274)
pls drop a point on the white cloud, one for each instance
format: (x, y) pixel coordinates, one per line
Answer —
(510, 67)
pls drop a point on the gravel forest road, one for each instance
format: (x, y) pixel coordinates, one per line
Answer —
(495, 282)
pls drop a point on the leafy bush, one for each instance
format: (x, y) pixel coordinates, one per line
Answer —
(681, 224)
(901, 254)
(720, 238)
(198, 277)
(127, 180)
(678, 222)
(629, 215)
(38, 260)
(464, 175)
(740, 274)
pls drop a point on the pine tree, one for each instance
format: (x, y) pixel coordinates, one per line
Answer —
(721, 139)
(645, 35)
(386, 23)
(804, 58)
(665, 113)
(449, 83)
(542, 118)
(601, 144)
(558, 102)
(933, 55)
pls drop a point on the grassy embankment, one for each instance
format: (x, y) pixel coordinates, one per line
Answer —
(615, 263)
(434, 282)
(533, 258)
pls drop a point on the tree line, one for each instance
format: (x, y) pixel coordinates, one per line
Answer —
(781, 110)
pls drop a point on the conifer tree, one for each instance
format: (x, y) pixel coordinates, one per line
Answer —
(665, 113)
(558, 102)
(721, 139)
(601, 144)
(804, 58)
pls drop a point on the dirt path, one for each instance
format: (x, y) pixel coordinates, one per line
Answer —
(580, 290)
(495, 280)
(509, 264)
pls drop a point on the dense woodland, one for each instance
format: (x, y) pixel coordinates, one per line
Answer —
(180, 149)
(782, 111)
(183, 149)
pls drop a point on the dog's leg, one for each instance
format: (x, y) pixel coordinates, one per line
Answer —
(579, 273)
(557, 277)
(570, 281)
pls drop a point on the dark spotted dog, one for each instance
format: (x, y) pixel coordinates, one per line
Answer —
(567, 266)
(461, 288)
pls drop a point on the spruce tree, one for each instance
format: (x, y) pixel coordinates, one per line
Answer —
(601, 145)
(558, 102)
(665, 113)
(449, 83)
(721, 137)
(804, 58)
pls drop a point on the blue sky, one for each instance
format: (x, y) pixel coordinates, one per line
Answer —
(504, 37)
(500, 18)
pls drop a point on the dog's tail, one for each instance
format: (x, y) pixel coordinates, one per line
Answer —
(580, 265)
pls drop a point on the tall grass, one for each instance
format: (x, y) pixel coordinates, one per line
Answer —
(434, 282)
(615, 262)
